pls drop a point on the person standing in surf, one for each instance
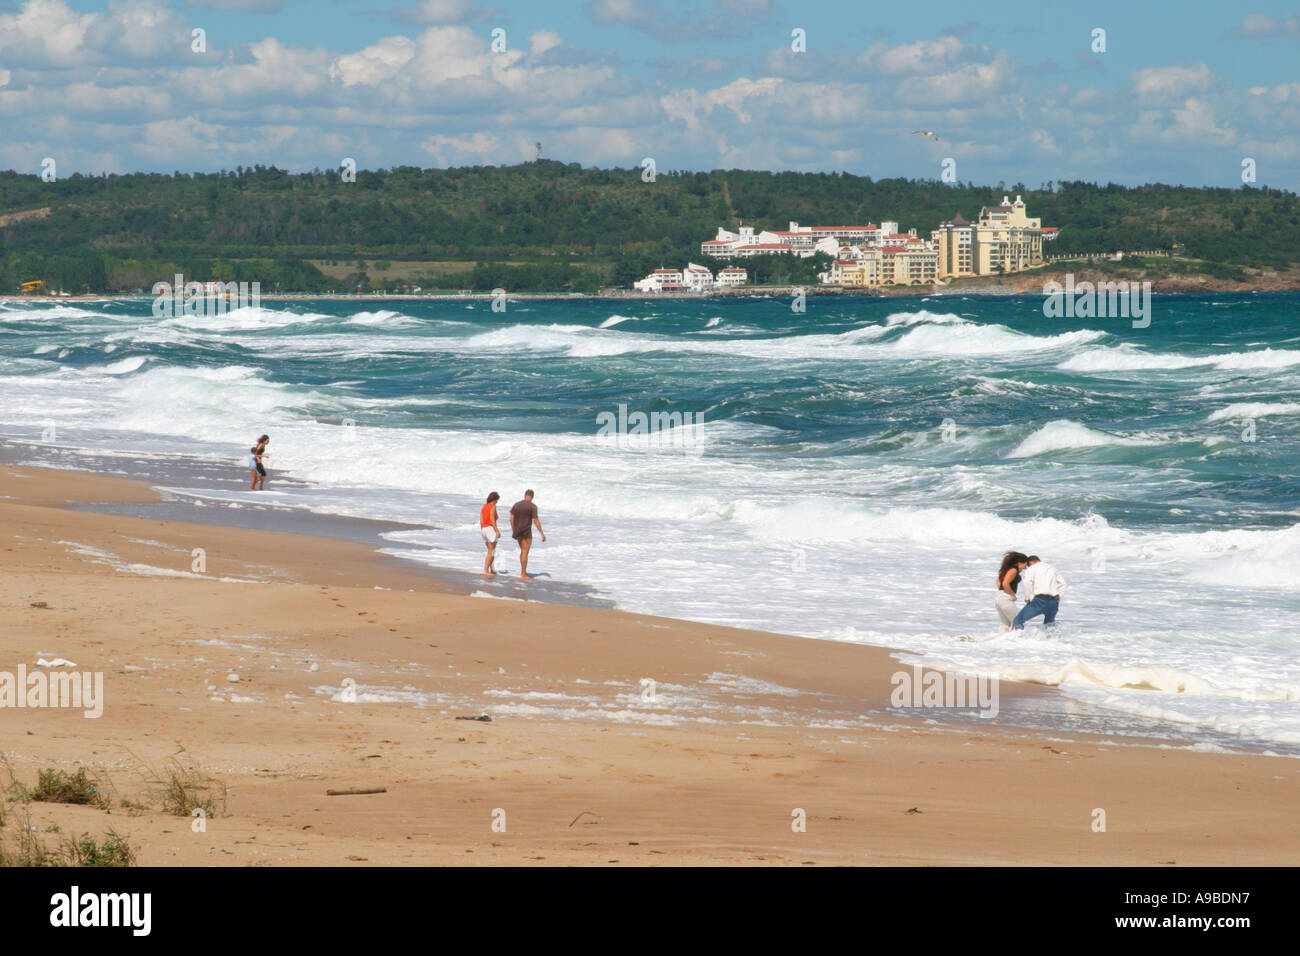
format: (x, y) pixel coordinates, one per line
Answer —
(256, 470)
(523, 515)
(487, 521)
(1013, 563)
(1045, 586)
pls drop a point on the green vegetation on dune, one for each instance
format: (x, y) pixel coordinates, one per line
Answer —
(548, 226)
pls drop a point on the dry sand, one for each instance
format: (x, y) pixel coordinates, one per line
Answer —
(711, 771)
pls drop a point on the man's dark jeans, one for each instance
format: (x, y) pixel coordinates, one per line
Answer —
(1043, 604)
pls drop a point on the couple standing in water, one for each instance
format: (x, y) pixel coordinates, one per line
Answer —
(523, 515)
(257, 470)
(1043, 587)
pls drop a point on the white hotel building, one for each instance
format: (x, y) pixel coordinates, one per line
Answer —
(694, 278)
(732, 276)
(661, 280)
(802, 241)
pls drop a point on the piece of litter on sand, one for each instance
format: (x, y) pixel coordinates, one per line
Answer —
(479, 717)
(57, 662)
(39, 604)
(355, 792)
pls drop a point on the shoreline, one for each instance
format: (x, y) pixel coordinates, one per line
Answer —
(157, 499)
(1018, 284)
(745, 729)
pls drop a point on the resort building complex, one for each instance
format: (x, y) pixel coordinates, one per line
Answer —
(1002, 240)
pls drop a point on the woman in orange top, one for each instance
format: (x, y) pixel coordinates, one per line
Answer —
(487, 521)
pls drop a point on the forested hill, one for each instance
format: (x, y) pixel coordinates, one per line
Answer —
(576, 227)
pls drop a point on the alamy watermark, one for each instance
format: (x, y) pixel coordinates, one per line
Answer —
(940, 689)
(175, 299)
(78, 690)
(682, 430)
(1103, 300)
(129, 910)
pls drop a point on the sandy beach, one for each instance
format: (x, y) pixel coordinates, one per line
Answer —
(580, 764)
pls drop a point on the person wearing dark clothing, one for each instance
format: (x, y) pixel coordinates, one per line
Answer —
(256, 470)
(523, 515)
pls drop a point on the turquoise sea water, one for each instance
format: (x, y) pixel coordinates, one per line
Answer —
(860, 468)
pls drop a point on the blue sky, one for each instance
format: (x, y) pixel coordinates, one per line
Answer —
(1183, 93)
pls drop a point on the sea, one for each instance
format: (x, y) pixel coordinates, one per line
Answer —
(849, 472)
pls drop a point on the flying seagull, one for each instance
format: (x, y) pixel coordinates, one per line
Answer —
(926, 132)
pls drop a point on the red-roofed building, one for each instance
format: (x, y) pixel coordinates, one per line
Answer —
(732, 276)
(697, 278)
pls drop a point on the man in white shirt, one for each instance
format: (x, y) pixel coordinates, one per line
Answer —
(1044, 585)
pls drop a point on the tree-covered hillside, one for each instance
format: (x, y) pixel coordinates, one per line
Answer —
(546, 225)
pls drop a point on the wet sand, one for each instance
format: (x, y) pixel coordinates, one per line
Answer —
(352, 670)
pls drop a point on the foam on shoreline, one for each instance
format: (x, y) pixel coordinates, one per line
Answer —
(1043, 711)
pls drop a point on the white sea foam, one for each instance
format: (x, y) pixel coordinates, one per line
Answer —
(244, 319)
(797, 542)
(923, 317)
(13, 311)
(370, 694)
(1005, 386)
(126, 365)
(1063, 435)
(1110, 675)
(1254, 410)
(970, 339)
(1126, 358)
(114, 561)
(922, 337)
(384, 317)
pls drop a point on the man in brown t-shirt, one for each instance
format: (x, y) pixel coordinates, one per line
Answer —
(523, 515)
